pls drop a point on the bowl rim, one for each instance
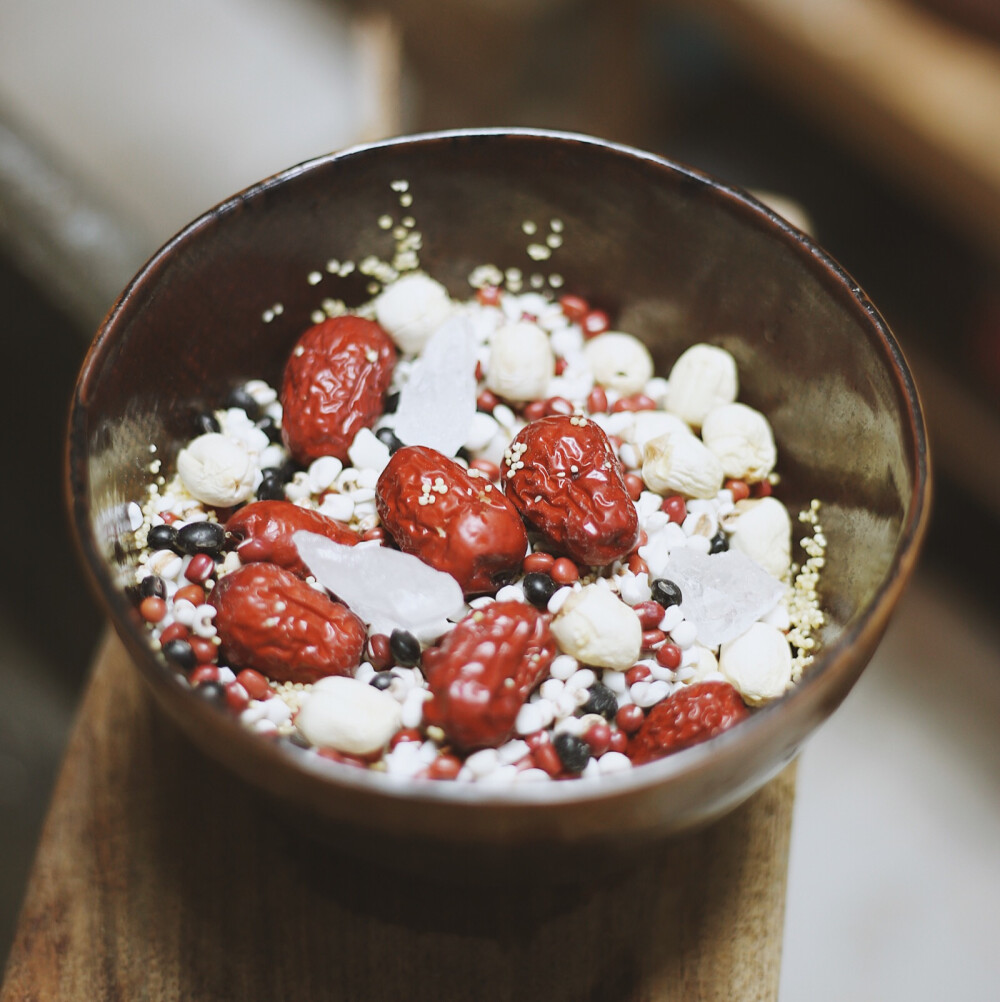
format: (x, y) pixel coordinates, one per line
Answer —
(821, 687)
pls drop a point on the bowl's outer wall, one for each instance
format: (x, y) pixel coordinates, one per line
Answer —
(676, 258)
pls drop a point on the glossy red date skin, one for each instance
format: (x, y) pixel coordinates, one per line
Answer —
(484, 670)
(264, 530)
(691, 715)
(571, 489)
(334, 385)
(273, 622)
(470, 530)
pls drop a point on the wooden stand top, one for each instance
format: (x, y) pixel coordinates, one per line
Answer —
(158, 878)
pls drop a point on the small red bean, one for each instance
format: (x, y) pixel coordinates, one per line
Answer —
(637, 402)
(558, 405)
(650, 613)
(479, 371)
(534, 410)
(201, 568)
(379, 651)
(376, 532)
(652, 639)
(762, 489)
(152, 609)
(192, 593)
(201, 674)
(237, 697)
(254, 683)
(598, 736)
(564, 571)
(486, 401)
(488, 295)
(574, 308)
(637, 565)
(638, 673)
(674, 508)
(444, 767)
(642, 540)
(169, 517)
(175, 631)
(204, 650)
(538, 562)
(669, 656)
(405, 734)
(561, 365)
(491, 470)
(547, 758)
(536, 738)
(597, 401)
(594, 323)
(629, 718)
(740, 489)
(619, 742)
(634, 485)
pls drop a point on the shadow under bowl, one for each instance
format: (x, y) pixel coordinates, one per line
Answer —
(676, 258)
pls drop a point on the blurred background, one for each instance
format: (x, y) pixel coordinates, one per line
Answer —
(874, 123)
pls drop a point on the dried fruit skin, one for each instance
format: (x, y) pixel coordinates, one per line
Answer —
(455, 522)
(265, 529)
(334, 384)
(690, 715)
(570, 488)
(273, 622)
(484, 671)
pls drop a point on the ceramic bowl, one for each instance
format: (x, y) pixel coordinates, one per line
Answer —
(676, 257)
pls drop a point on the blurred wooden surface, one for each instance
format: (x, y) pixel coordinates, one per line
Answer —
(911, 94)
(157, 878)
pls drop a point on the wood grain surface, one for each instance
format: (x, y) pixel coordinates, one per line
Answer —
(160, 878)
(916, 97)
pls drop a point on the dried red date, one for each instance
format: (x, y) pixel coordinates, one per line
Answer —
(334, 385)
(453, 521)
(562, 475)
(264, 530)
(689, 716)
(484, 670)
(273, 622)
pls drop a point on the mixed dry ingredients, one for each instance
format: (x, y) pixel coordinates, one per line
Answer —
(479, 540)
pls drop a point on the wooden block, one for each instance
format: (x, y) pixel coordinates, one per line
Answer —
(158, 878)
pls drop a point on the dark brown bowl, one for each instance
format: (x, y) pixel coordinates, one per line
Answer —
(677, 257)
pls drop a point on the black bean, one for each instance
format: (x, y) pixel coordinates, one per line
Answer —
(539, 587)
(573, 752)
(162, 537)
(213, 692)
(153, 587)
(720, 543)
(206, 423)
(180, 653)
(388, 438)
(382, 679)
(271, 489)
(201, 537)
(245, 402)
(392, 402)
(283, 473)
(665, 592)
(272, 429)
(405, 647)
(464, 453)
(601, 700)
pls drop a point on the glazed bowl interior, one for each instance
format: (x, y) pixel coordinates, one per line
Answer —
(675, 258)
